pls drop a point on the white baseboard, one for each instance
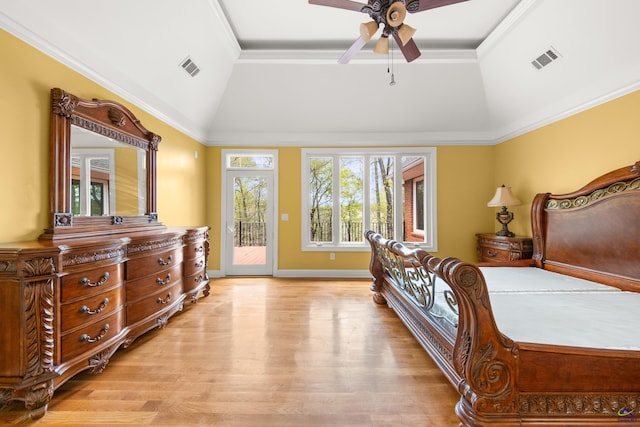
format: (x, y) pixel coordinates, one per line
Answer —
(337, 274)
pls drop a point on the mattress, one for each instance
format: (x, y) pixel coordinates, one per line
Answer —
(539, 306)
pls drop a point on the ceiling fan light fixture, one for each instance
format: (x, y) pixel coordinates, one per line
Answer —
(382, 46)
(405, 33)
(396, 14)
(368, 30)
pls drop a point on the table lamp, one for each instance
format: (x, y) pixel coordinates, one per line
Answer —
(504, 198)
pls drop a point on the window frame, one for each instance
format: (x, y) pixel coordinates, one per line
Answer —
(430, 196)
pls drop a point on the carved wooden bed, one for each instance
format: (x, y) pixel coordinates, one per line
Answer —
(539, 341)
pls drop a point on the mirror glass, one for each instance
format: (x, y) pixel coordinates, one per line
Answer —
(103, 169)
(108, 177)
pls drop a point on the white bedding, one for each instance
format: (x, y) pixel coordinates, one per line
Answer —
(538, 306)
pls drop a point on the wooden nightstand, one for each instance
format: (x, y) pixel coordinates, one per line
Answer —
(492, 248)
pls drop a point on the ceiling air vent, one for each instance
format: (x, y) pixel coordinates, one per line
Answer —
(545, 59)
(190, 67)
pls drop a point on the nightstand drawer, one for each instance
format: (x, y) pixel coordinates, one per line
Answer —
(492, 254)
(492, 248)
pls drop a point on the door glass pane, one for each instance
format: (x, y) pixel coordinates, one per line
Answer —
(250, 207)
(381, 178)
(320, 199)
(351, 198)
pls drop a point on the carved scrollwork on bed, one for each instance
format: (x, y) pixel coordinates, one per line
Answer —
(407, 273)
(615, 188)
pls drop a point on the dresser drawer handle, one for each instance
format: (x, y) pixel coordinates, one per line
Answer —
(103, 332)
(161, 261)
(161, 282)
(87, 310)
(200, 264)
(199, 249)
(491, 253)
(86, 282)
(164, 301)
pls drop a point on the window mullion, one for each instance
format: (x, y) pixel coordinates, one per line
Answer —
(398, 206)
(366, 199)
(335, 220)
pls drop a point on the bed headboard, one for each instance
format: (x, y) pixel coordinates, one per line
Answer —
(593, 233)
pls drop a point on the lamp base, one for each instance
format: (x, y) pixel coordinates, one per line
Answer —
(505, 232)
(504, 217)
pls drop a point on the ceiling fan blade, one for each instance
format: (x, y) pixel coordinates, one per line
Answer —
(340, 4)
(414, 6)
(351, 52)
(409, 50)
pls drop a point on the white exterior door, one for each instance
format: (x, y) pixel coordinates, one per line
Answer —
(249, 236)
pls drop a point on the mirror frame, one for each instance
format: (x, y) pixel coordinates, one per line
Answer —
(110, 119)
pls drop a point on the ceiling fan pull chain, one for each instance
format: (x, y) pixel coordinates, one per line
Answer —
(393, 77)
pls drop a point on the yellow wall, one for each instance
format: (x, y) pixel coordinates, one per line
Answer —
(26, 78)
(564, 156)
(464, 186)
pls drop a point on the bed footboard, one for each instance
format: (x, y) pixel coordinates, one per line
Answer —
(474, 355)
(445, 303)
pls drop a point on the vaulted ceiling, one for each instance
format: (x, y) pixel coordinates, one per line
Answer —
(269, 73)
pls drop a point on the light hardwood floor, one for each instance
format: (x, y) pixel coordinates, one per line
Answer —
(264, 352)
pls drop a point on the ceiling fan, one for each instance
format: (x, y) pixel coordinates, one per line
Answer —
(390, 14)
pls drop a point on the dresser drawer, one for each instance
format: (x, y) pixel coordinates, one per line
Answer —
(90, 282)
(90, 309)
(144, 266)
(192, 282)
(91, 336)
(194, 265)
(139, 288)
(139, 310)
(194, 249)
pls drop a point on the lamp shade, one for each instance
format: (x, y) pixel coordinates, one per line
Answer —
(503, 197)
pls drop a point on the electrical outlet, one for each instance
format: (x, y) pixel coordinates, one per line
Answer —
(332, 256)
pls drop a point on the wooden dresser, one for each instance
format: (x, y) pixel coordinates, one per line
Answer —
(492, 248)
(106, 270)
(67, 306)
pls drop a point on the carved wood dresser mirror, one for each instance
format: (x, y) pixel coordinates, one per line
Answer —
(105, 271)
(103, 169)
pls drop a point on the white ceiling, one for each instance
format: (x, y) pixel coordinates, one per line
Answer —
(269, 72)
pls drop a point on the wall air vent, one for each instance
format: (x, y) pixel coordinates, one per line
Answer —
(190, 67)
(545, 59)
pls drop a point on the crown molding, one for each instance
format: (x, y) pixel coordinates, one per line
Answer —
(355, 139)
(520, 12)
(37, 42)
(232, 40)
(330, 56)
(531, 123)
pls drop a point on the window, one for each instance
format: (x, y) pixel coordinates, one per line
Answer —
(347, 192)
(92, 182)
(249, 161)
